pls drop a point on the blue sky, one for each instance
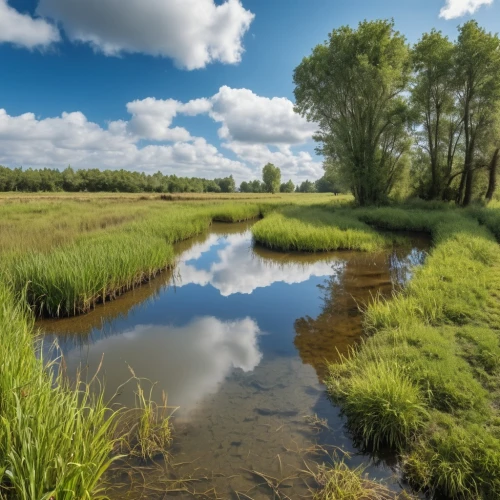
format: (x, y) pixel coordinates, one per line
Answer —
(192, 87)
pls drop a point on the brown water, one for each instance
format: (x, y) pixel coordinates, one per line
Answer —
(238, 337)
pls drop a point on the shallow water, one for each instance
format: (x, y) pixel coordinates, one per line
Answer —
(238, 338)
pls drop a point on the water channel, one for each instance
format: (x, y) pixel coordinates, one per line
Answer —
(238, 338)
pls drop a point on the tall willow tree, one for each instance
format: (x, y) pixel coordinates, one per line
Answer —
(478, 80)
(353, 88)
(439, 121)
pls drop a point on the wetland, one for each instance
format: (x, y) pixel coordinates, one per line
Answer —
(239, 337)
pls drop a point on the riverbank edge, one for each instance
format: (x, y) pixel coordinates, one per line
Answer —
(73, 279)
(426, 382)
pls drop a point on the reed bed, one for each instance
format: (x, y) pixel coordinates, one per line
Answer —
(315, 229)
(71, 279)
(427, 383)
(56, 441)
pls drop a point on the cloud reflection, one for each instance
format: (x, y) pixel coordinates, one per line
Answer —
(235, 268)
(187, 362)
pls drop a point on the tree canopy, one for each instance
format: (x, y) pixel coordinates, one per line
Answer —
(353, 88)
(390, 115)
(271, 177)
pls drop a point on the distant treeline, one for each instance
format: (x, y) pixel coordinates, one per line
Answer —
(124, 181)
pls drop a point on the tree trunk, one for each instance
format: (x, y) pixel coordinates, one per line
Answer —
(492, 183)
(469, 183)
(460, 193)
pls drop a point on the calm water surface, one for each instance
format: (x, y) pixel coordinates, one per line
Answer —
(238, 337)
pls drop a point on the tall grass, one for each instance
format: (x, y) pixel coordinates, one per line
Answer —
(55, 441)
(72, 279)
(315, 229)
(427, 381)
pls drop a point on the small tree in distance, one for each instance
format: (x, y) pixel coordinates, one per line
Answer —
(287, 187)
(271, 176)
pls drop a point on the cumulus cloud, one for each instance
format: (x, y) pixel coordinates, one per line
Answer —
(188, 362)
(255, 130)
(73, 139)
(235, 270)
(193, 33)
(249, 118)
(23, 30)
(459, 8)
(300, 166)
(151, 118)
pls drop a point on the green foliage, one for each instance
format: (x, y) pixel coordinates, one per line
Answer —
(433, 99)
(271, 178)
(353, 88)
(315, 230)
(306, 187)
(287, 187)
(119, 181)
(440, 336)
(55, 441)
(478, 77)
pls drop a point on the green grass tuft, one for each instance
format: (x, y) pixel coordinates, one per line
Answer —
(315, 230)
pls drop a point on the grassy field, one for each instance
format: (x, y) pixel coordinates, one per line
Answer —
(426, 382)
(65, 255)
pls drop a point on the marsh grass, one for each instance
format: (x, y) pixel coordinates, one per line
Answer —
(56, 440)
(385, 407)
(148, 425)
(427, 381)
(340, 482)
(71, 279)
(315, 229)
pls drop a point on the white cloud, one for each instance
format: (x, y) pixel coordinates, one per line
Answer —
(192, 32)
(459, 8)
(151, 119)
(188, 362)
(72, 139)
(238, 271)
(256, 130)
(22, 29)
(300, 166)
(249, 118)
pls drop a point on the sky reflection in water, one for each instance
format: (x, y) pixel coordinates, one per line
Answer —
(237, 337)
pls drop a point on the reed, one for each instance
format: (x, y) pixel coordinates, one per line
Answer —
(71, 279)
(56, 441)
(315, 229)
(340, 482)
